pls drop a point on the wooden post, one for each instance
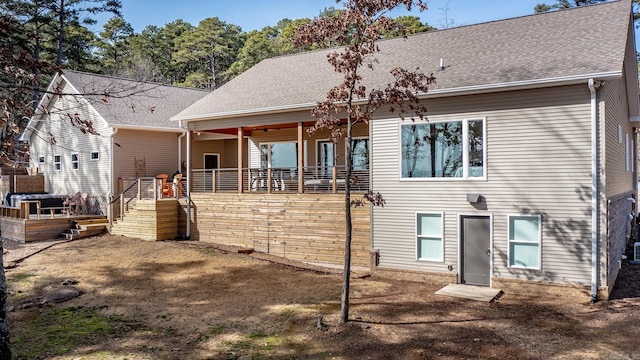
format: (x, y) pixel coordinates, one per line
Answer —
(334, 182)
(269, 179)
(213, 180)
(139, 189)
(240, 156)
(301, 156)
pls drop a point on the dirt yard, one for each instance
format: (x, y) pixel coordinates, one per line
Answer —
(173, 300)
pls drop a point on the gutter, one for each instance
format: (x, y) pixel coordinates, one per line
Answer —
(593, 87)
(459, 91)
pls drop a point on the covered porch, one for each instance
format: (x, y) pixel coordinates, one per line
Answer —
(272, 187)
(275, 158)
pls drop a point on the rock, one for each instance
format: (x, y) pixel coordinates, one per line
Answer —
(69, 281)
(62, 294)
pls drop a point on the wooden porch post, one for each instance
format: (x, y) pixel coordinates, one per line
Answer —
(240, 156)
(301, 156)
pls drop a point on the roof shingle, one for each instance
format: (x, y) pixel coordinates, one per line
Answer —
(583, 41)
(133, 103)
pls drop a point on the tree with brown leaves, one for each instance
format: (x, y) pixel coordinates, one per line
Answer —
(357, 28)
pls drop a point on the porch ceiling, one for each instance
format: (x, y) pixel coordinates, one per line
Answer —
(233, 132)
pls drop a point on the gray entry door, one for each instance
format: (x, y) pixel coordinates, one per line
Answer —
(476, 250)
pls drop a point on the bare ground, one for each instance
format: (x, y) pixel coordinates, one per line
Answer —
(179, 300)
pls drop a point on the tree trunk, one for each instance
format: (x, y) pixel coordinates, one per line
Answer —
(5, 349)
(346, 283)
(60, 33)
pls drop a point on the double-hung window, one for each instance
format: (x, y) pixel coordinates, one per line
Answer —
(75, 161)
(57, 162)
(447, 149)
(429, 236)
(525, 233)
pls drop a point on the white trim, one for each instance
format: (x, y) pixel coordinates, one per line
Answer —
(461, 243)
(538, 242)
(211, 154)
(464, 149)
(465, 90)
(416, 235)
(148, 128)
(30, 128)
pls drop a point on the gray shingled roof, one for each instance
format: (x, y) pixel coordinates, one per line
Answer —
(133, 103)
(563, 44)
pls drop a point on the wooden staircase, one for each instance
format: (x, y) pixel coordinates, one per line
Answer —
(149, 219)
(85, 228)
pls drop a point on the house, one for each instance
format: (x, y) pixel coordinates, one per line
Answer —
(523, 177)
(132, 133)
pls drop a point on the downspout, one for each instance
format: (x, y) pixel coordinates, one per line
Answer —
(111, 175)
(594, 191)
(184, 133)
(187, 235)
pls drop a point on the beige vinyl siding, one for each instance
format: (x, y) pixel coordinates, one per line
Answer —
(227, 149)
(91, 176)
(618, 178)
(159, 150)
(538, 162)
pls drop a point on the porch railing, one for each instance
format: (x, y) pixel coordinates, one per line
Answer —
(268, 180)
(135, 189)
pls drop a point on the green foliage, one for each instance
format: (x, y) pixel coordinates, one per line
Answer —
(113, 45)
(208, 51)
(55, 332)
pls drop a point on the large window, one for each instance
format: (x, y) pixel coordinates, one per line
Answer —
(279, 155)
(452, 149)
(524, 241)
(429, 236)
(360, 154)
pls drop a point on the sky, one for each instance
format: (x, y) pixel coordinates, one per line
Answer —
(256, 14)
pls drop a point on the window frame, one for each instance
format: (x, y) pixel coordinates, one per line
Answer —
(417, 236)
(465, 154)
(537, 242)
(42, 160)
(355, 139)
(97, 156)
(57, 162)
(75, 164)
(270, 143)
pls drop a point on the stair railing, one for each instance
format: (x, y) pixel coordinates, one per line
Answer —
(145, 188)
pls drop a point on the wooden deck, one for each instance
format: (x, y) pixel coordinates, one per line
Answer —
(34, 229)
(304, 227)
